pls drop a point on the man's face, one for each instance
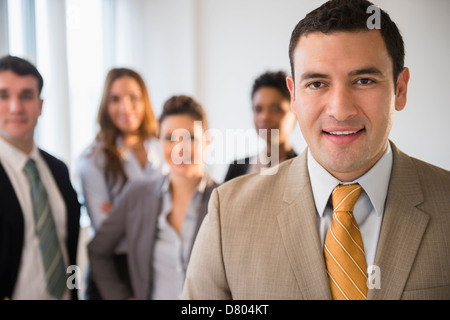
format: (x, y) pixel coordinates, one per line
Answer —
(20, 107)
(344, 99)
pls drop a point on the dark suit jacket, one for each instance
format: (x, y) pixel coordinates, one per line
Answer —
(240, 167)
(12, 224)
(135, 217)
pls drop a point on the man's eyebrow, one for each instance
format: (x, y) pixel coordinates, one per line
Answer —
(365, 70)
(27, 91)
(368, 70)
(313, 75)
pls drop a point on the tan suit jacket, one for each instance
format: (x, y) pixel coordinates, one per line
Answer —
(260, 239)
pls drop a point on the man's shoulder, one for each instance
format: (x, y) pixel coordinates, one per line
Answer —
(427, 172)
(435, 180)
(431, 169)
(52, 161)
(268, 181)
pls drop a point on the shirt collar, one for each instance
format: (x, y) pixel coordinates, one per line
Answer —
(15, 157)
(166, 184)
(375, 182)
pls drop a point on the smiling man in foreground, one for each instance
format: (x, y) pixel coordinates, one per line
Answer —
(352, 217)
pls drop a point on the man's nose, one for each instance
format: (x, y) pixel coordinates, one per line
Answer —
(341, 105)
(15, 105)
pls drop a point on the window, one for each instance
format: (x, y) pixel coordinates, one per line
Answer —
(66, 41)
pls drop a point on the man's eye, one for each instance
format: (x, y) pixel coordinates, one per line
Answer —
(365, 81)
(315, 85)
(26, 96)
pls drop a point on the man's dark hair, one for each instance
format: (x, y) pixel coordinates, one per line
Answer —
(271, 79)
(350, 15)
(21, 67)
(184, 105)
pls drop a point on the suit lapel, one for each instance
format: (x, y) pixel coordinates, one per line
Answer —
(300, 233)
(149, 211)
(203, 209)
(402, 229)
(11, 206)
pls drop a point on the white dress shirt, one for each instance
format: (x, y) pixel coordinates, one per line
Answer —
(369, 207)
(172, 249)
(31, 282)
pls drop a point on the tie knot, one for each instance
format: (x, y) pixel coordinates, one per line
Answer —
(30, 170)
(344, 197)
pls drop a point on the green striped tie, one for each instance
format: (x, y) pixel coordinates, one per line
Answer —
(46, 232)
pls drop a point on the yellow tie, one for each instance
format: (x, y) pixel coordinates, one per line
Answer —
(344, 250)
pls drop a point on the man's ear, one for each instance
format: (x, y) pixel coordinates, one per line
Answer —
(402, 89)
(291, 86)
(41, 102)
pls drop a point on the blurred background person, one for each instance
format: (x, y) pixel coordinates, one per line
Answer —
(271, 110)
(159, 220)
(39, 212)
(125, 148)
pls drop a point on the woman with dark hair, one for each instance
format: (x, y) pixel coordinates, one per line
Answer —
(125, 148)
(272, 118)
(159, 220)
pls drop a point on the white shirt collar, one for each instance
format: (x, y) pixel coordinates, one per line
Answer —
(375, 182)
(15, 157)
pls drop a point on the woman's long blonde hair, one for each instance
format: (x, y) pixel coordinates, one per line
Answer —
(108, 133)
